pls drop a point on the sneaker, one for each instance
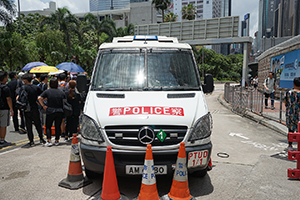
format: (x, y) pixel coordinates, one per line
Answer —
(56, 143)
(48, 144)
(266, 107)
(22, 132)
(272, 108)
(4, 143)
(62, 135)
(42, 141)
(31, 144)
(290, 148)
(22, 129)
(66, 140)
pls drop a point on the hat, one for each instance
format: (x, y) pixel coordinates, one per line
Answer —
(21, 74)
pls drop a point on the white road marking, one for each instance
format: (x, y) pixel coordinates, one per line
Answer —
(8, 151)
(274, 147)
(238, 135)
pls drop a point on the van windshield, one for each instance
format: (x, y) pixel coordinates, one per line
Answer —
(145, 70)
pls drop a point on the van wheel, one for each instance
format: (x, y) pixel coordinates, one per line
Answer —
(200, 173)
(91, 175)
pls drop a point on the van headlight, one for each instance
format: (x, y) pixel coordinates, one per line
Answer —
(202, 128)
(89, 129)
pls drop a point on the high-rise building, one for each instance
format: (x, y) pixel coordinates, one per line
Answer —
(221, 8)
(203, 8)
(278, 18)
(99, 5)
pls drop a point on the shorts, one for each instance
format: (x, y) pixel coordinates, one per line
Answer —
(4, 118)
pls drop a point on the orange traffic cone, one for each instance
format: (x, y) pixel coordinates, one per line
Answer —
(110, 189)
(148, 188)
(180, 185)
(75, 179)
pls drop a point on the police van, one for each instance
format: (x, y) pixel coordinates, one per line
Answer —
(146, 90)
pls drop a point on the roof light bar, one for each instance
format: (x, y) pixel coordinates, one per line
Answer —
(145, 37)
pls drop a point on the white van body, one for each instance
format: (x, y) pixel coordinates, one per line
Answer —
(133, 101)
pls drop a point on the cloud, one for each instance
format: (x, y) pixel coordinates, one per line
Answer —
(242, 7)
(75, 6)
(26, 5)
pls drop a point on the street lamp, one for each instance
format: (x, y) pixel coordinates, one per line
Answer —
(19, 16)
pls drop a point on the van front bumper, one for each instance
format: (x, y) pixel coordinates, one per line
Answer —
(94, 158)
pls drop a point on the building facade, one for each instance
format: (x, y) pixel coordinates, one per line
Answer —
(100, 5)
(46, 11)
(278, 18)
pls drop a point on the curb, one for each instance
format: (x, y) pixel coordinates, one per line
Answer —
(280, 128)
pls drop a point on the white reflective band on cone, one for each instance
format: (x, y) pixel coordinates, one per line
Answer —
(75, 156)
(148, 173)
(180, 173)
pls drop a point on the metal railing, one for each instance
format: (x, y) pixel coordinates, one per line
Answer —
(244, 99)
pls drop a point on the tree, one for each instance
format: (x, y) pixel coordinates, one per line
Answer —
(189, 12)
(12, 51)
(161, 5)
(170, 17)
(126, 30)
(7, 11)
(220, 66)
(106, 26)
(64, 21)
(51, 47)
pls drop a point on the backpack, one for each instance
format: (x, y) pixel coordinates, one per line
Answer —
(63, 87)
(23, 102)
(18, 87)
(1, 100)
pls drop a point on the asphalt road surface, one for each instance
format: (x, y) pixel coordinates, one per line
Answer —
(249, 162)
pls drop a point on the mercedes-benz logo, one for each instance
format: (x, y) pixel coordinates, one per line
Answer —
(146, 135)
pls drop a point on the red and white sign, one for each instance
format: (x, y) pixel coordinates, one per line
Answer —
(146, 110)
(197, 158)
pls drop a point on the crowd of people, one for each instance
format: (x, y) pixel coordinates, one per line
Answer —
(45, 103)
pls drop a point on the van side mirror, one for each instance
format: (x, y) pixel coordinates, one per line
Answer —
(208, 86)
(81, 83)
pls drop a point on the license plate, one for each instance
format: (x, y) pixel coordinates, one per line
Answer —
(197, 158)
(138, 169)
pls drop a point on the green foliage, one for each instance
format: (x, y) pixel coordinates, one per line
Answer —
(161, 5)
(13, 51)
(55, 39)
(220, 66)
(7, 11)
(189, 12)
(170, 17)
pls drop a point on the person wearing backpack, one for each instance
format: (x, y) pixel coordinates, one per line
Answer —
(6, 108)
(14, 85)
(32, 114)
(270, 87)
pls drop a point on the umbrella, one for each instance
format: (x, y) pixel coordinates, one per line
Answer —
(69, 66)
(31, 65)
(43, 69)
(56, 72)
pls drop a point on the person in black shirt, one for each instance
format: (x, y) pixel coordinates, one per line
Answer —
(6, 109)
(33, 92)
(44, 82)
(54, 110)
(75, 100)
(13, 85)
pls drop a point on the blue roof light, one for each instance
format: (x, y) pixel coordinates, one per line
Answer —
(145, 37)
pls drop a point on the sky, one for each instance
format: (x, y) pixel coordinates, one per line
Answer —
(239, 8)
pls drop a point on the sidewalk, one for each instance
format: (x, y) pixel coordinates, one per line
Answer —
(272, 124)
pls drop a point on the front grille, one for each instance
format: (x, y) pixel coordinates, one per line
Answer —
(128, 135)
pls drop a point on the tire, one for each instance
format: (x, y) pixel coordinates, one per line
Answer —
(91, 174)
(200, 173)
